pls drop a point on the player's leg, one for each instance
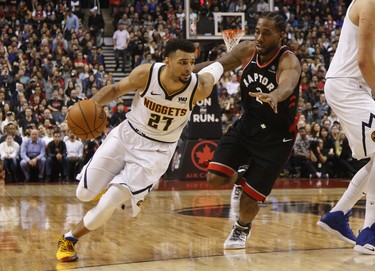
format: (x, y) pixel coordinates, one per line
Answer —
(355, 118)
(94, 218)
(365, 242)
(237, 192)
(336, 221)
(222, 169)
(261, 175)
(25, 169)
(107, 162)
(228, 157)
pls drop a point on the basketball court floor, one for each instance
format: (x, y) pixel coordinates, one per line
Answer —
(182, 227)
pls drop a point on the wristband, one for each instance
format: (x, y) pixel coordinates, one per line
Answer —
(215, 69)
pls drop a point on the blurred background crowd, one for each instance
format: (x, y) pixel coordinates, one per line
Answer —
(51, 56)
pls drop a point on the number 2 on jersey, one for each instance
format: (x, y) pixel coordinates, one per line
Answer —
(155, 119)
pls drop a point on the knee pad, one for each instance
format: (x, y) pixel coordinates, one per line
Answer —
(84, 194)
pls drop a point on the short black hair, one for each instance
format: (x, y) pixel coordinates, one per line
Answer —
(178, 44)
(276, 17)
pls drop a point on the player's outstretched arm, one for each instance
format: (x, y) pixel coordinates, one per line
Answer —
(232, 60)
(208, 77)
(136, 80)
(289, 72)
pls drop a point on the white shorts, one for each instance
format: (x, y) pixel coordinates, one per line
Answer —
(352, 101)
(127, 158)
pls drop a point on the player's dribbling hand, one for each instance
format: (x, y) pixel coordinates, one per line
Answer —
(266, 98)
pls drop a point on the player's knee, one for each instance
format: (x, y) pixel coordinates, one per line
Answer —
(216, 180)
(85, 195)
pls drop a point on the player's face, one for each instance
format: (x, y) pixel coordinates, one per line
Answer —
(181, 65)
(268, 37)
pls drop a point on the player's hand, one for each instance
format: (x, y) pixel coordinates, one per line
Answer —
(266, 98)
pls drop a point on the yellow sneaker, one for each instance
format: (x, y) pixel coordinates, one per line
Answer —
(97, 198)
(66, 251)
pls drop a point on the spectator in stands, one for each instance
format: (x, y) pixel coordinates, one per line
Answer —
(56, 162)
(2, 97)
(69, 88)
(73, 98)
(9, 118)
(262, 6)
(301, 159)
(26, 132)
(80, 94)
(89, 149)
(33, 152)
(9, 151)
(20, 89)
(88, 83)
(59, 42)
(72, 23)
(96, 25)
(55, 105)
(233, 85)
(47, 115)
(121, 39)
(322, 106)
(348, 166)
(74, 79)
(74, 149)
(64, 131)
(79, 62)
(27, 119)
(46, 133)
(315, 130)
(319, 157)
(119, 115)
(78, 12)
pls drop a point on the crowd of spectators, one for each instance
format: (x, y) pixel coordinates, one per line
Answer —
(51, 57)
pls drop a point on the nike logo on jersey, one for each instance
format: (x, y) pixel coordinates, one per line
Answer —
(154, 93)
(287, 139)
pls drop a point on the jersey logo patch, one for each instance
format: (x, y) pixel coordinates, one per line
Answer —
(373, 136)
(182, 100)
(272, 69)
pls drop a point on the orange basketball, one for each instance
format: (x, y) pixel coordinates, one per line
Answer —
(86, 119)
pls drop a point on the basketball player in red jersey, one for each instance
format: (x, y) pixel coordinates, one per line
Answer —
(350, 92)
(138, 151)
(262, 139)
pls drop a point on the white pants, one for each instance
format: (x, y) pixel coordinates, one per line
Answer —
(352, 101)
(126, 158)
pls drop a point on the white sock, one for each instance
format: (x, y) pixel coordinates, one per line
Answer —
(355, 190)
(70, 234)
(370, 212)
(370, 198)
(348, 199)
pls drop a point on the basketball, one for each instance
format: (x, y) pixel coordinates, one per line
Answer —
(86, 119)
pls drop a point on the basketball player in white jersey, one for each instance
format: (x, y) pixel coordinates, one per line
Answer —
(349, 89)
(137, 152)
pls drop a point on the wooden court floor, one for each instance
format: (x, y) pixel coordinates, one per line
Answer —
(182, 227)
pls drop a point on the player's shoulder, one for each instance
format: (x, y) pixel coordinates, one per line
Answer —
(245, 47)
(143, 68)
(288, 54)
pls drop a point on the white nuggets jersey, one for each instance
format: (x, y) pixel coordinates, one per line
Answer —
(349, 95)
(157, 115)
(344, 62)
